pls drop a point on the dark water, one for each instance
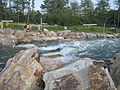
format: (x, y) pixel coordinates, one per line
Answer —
(6, 53)
(97, 49)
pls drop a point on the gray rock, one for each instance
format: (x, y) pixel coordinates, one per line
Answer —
(100, 79)
(115, 70)
(74, 76)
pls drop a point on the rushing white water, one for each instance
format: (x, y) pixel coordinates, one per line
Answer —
(98, 49)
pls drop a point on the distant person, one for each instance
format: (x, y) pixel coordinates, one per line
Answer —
(25, 27)
(30, 26)
(7, 24)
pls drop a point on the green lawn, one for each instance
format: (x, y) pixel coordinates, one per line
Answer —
(75, 28)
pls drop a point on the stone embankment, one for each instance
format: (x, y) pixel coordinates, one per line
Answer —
(67, 34)
(28, 71)
(45, 35)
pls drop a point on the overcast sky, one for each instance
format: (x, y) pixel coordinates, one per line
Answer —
(39, 2)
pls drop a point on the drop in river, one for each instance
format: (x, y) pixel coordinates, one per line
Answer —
(97, 49)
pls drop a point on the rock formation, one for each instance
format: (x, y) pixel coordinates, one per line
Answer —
(27, 71)
(22, 72)
(49, 64)
(100, 79)
(79, 75)
(115, 70)
(8, 39)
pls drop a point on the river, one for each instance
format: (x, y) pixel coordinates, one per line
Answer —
(97, 49)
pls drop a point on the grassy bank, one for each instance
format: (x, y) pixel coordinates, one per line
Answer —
(75, 28)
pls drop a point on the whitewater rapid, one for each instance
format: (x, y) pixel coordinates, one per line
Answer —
(97, 49)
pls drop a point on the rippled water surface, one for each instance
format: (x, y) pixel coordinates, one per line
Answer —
(97, 49)
(6, 53)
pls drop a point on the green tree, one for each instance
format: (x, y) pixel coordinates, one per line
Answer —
(52, 6)
(117, 2)
(2, 9)
(33, 4)
(87, 6)
(101, 11)
(75, 8)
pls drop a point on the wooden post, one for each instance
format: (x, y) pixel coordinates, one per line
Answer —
(104, 28)
(41, 24)
(1, 24)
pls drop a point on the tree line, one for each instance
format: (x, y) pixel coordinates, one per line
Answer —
(19, 11)
(62, 12)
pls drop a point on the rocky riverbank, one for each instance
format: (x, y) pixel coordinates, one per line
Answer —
(46, 35)
(28, 71)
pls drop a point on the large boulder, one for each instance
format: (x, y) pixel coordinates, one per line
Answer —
(53, 34)
(79, 75)
(74, 76)
(100, 79)
(49, 64)
(20, 37)
(22, 72)
(8, 38)
(60, 33)
(22, 40)
(19, 34)
(115, 70)
(47, 33)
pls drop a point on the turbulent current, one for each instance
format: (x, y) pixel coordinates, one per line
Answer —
(97, 49)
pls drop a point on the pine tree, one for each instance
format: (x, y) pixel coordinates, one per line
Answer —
(101, 11)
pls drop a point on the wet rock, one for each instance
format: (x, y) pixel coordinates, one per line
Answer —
(115, 70)
(74, 76)
(22, 72)
(8, 40)
(20, 37)
(49, 64)
(100, 63)
(52, 54)
(28, 46)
